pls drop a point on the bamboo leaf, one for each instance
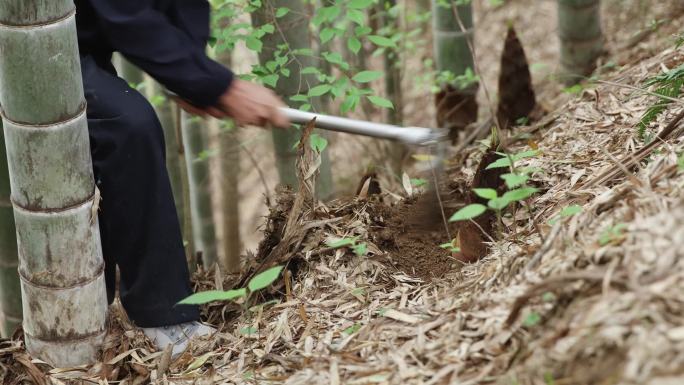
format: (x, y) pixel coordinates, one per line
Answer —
(354, 44)
(380, 101)
(519, 194)
(213, 295)
(360, 4)
(282, 11)
(486, 193)
(367, 76)
(264, 279)
(320, 90)
(381, 41)
(468, 212)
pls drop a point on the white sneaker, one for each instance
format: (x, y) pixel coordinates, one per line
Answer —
(177, 335)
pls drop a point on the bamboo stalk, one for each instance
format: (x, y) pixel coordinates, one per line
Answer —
(10, 291)
(229, 151)
(174, 164)
(579, 30)
(456, 106)
(52, 184)
(293, 30)
(195, 143)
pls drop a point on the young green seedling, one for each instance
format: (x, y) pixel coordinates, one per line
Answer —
(258, 282)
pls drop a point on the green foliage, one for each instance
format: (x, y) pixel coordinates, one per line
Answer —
(318, 143)
(613, 234)
(339, 22)
(516, 181)
(451, 246)
(418, 182)
(359, 249)
(668, 84)
(567, 212)
(264, 279)
(259, 282)
(469, 212)
(532, 319)
(352, 329)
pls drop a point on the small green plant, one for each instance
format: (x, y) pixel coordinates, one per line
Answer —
(679, 40)
(680, 162)
(257, 283)
(613, 234)
(548, 379)
(669, 84)
(359, 249)
(451, 246)
(418, 182)
(567, 212)
(352, 329)
(574, 90)
(516, 182)
(532, 319)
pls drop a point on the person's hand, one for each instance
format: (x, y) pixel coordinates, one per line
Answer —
(252, 104)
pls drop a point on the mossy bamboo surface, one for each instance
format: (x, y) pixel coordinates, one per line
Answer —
(52, 186)
(579, 30)
(295, 33)
(197, 163)
(10, 290)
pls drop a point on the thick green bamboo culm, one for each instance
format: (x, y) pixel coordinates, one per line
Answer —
(453, 36)
(52, 186)
(579, 30)
(450, 41)
(296, 34)
(195, 143)
(10, 291)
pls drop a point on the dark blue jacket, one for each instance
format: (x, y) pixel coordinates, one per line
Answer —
(165, 38)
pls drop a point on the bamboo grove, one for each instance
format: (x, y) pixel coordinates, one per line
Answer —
(316, 54)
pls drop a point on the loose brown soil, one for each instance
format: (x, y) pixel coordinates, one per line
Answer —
(411, 232)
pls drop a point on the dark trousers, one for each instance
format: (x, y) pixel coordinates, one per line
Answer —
(138, 220)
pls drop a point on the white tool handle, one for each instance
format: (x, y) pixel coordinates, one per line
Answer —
(409, 135)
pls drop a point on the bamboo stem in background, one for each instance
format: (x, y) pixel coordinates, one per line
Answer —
(392, 65)
(293, 30)
(229, 161)
(195, 143)
(456, 106)
(174, 164)
(579, 30)
(52, 185)
(10, 291)
(186, 224)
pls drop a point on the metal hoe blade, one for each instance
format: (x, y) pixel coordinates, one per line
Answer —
(410, 135)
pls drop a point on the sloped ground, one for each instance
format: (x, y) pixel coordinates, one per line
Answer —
(578, 304)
